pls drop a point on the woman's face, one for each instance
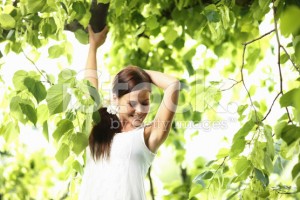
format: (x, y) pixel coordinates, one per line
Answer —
(134, 107)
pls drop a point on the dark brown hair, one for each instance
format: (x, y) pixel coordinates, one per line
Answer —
(128, 79)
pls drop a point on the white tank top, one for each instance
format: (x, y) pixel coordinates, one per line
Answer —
(122, 176)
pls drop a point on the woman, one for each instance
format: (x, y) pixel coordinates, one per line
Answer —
(122, 147)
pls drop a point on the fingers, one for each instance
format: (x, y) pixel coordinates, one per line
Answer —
(105, 30)
(90, 30)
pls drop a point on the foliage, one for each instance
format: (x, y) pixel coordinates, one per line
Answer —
(168, 36)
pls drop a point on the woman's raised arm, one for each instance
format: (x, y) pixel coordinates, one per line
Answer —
(160, 127)
(95, 41)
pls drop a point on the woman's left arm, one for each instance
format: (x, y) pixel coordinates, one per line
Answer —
(158, 130)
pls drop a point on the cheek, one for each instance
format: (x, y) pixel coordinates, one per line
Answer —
(129, 109)
(146, 109)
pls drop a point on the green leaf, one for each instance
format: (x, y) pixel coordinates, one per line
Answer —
(241, 109)
(290, 134)
(63, 126)
(288, 24)
(290, 98)
(223, 152)
(81, 36)
(18, 79)
(204, 176)
(151, 22)
(58, 98)
(196, 116)
(195, 189)
(34, 6)
(170, 35)
(56, 51)
(268, 164)
(7, 22)
(270, 142)
(49, 27)
(211, 13)
(298, 184)
(239, 139)
(67, 76)
(279, 127)
(96, 117)
(237, 147)
(264, 4)
(79, 8)
(242, 167)
(283, 58)
(30, 112)
(189, 67)
(278, 168)
(77, 166)
(263, 178)
(144, 44)
(80, 142)
(15, 108)
(42, 113)
(45, 130)
(63, 153)
(84, 21)
(179, 43)
(296, 44)
(296, 170)
(9, 131)
(103, 1)
(36, 88)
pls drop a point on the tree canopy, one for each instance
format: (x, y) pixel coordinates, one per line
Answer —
(245, 53)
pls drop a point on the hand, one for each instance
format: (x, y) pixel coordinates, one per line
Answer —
(97, 39)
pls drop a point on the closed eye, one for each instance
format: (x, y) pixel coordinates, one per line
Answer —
(135, 103)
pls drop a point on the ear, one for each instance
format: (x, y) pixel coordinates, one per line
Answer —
(114, 99)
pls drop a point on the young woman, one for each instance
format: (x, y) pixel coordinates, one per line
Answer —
(122, 148)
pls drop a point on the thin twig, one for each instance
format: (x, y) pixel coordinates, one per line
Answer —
(236, 82)
(278, 62)
(243, 65)
(48, 81)
(151, 184)
(244, 84)
(223, 162)
(264, 35)
(271, 106)
(289, 57)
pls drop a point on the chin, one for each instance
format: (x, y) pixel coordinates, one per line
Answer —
(137, 122)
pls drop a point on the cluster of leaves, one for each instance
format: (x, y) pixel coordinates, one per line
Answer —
(167, 36)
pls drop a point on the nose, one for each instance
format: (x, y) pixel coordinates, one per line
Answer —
(141, 109)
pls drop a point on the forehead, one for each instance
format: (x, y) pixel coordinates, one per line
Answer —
(137, 95)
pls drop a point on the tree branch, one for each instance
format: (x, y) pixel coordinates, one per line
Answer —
(256, 39)
(151, 184)
(271, 106)
(221, 165)
(236, 82)
(279, 46)
(244, 84)
(289, 57)
(48, 81)
(243, 65)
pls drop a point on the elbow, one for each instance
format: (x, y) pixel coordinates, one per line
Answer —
(176, 85)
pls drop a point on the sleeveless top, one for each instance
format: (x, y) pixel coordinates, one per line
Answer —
(121, 177)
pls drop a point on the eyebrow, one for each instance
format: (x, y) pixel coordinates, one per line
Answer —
(138, 101)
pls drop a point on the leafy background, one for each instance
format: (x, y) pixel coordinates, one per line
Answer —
(238, 61)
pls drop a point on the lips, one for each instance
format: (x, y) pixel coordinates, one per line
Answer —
(137, 117)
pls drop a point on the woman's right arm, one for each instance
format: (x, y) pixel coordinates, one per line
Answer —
(95, 41)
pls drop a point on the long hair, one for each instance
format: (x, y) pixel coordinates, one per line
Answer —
(128, 79)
